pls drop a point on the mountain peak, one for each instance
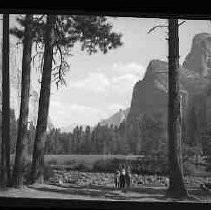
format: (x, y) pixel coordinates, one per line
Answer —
(116, 118)
(199, 58)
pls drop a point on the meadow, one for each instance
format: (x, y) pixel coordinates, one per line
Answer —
(87, 160)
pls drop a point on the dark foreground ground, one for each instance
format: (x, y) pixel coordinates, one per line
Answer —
(91, 192)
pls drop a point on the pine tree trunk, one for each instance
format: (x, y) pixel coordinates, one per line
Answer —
(176, 184)
(5, 150)
(24, 108)
(37, 169)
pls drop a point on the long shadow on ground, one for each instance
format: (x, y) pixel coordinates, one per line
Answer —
(197, 195)
(201, 194)
(156, 194)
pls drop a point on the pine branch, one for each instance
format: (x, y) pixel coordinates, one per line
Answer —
(155, 27)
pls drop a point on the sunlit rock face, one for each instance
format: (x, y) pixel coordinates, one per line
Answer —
(149, 100)
(153, 88)
(150, 96)
(198, 62)
(199, 58)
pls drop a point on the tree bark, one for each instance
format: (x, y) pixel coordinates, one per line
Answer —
(5, 156)
(176, 185)
(37, 169)
(18, 171)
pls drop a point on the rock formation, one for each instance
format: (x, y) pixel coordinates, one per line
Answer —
(199, 58)
(150, 96)
(149, 100)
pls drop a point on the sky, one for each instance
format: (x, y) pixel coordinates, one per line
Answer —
(99, 85)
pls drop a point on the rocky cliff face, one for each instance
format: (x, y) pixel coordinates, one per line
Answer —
(149, 101)
(198, 84)
(199, 58)
(150, 96)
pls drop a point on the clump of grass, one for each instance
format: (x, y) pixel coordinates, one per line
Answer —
(108, 165)
(81, 167)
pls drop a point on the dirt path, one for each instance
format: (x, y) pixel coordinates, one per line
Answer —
(94, 193)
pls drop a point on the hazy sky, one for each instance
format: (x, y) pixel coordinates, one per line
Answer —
(99, 85)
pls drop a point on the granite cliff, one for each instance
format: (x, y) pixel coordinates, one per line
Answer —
(150, 96)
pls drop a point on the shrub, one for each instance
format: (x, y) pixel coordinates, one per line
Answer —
(188, 169)
(48, 172)
(52, 162)
(109, 165)
(69, 162)
(81, 167)
(150, 166)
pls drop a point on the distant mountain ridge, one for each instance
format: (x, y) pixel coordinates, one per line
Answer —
(116, 118)
(70, 128)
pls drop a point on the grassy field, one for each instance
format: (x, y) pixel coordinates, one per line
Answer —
(88, 160)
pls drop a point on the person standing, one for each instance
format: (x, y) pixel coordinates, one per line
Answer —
(128, 178)
(117, 179)
(122, 177)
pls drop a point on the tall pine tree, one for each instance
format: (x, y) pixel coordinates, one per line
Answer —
(176, 185)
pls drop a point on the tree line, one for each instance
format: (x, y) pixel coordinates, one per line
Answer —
(102, 139)
(149, 138)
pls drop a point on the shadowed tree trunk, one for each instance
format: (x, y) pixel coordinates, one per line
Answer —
(176, 184)
(18, 171)
(5, 150)
(37, 169)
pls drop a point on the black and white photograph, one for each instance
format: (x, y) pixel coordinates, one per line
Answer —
(106, 108)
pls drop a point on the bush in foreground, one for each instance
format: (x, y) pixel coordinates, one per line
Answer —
(48, 172)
